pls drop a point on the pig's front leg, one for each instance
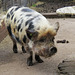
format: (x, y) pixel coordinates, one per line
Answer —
(23, 49)
(30, 59)
(38, 59)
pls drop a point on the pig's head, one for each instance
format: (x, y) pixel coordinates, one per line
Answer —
(42, 41)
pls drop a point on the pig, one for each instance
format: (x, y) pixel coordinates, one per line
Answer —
(32, 31)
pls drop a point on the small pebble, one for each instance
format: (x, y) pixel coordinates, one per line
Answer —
(67, 41)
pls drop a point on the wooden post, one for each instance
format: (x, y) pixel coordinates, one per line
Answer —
(29, 2)
(11, 2)
(19, 2)
(4, 5)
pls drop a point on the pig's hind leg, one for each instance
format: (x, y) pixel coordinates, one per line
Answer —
(15, 48)
(13, 40)
(14, 45)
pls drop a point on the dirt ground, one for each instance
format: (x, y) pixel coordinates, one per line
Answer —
(50, 6)
(15, 64)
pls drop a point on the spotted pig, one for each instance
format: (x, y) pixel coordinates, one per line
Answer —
(32, 31)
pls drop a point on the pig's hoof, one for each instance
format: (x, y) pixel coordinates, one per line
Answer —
(23, 50)
(15, 48)
(29, 61)
(15, 51)
(38, 59)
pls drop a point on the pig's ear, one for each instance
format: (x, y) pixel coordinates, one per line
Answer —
(31, 34)
(56, 26)
(2, 23)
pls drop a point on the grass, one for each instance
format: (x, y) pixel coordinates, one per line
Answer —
(73, 0)
(38, 3)
(34, 5)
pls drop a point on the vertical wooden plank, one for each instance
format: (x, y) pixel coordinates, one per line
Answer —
(4, 5)
(19, 2)
(11, 2)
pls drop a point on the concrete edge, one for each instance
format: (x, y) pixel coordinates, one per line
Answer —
(55, 15)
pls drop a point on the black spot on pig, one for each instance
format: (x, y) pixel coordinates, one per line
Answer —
(11, 12)
(21, 19)
(12, 17)
(8, 16)
(17, 8)
(18, 40)
(9, 30)
(21, 30)
(27, 10)
(28, 15)
(14, 20)
(29, 35)
(31, 26)
(24, 39)
(28, 21)
(19, 26)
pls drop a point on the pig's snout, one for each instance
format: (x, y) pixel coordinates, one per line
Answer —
(53, 50)
(46, 52)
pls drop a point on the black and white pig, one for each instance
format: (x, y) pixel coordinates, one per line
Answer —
(32, 30)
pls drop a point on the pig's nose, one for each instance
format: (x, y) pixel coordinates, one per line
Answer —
(53, 49)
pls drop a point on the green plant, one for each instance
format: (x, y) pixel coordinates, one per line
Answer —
(34, 5)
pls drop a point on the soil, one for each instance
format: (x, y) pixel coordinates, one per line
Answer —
(15, 64)
(50, 6)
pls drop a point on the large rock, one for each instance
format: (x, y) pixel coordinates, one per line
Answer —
(67, 66)
(66, 10)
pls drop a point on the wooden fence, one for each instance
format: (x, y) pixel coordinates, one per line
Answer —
(3, 33)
